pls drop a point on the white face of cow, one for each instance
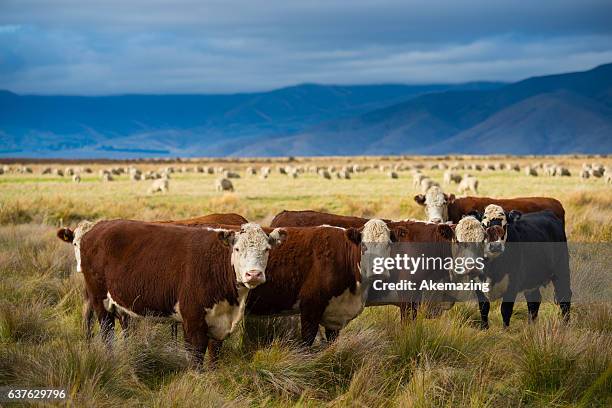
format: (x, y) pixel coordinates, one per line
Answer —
(79, 232)
(435, 203)
(468, 244)
(375, 243)
(495, 221)
(250, 250)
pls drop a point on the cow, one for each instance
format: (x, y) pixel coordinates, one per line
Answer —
(198, 276)
(534, 255)
(435, 202)
(316, 274)
(400, 231)
(443, 207)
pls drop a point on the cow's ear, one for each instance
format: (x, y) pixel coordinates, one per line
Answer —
(65, 234)
(226, 237)
(445, 231)
(449, 198)
(353, 235)
(514, 216)
(277, 237)
(419, 199)
(476, 214)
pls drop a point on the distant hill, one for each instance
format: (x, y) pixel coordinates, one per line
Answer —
(185, 125)
(570, 113)
(567, 113)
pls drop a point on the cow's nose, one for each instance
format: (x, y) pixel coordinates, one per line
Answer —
(496, 247)
(254, 276)
(436, 220)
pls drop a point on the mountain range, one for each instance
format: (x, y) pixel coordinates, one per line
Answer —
(555, 114)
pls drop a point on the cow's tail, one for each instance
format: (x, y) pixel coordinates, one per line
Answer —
(66, 235)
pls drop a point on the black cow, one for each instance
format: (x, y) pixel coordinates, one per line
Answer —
(535, 254)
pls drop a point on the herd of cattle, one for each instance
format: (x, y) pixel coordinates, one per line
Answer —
(206, 273)
(466, 182)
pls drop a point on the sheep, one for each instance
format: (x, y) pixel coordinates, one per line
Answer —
(469, 183)
(223, 184)
(426, 184)
(417, 178)
(343, 174)
(450, 177)
(160, 185)
(530, 171)
(392, 175)
(325, 174)
(584, 174)
(76, 178)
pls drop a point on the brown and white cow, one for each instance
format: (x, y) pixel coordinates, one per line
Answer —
(440, 207)
(316, 273)
(198, 276)
(440, 235)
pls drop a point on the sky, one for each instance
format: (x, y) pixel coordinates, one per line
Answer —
(77, 47)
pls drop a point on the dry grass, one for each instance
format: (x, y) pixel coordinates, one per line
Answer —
(376, 361)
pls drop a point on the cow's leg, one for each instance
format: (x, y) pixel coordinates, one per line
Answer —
(214, 349)
(88, 316)
(331, 335)
(196, 339)
(408, 311)
(484, 306)
(107, 325)
(534, 299)
(506, 308)
(563, 295)
(561, 283)
(410, 308)
(310, 318)
(124, 321)
(565, 310)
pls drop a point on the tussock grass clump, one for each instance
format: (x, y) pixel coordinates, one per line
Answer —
(442, 340)
(89, 371)
(281, 370)
(151, 352)
(27, 323)
(192, 389)
(560, 363)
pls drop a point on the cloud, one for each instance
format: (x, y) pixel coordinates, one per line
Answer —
(192, 46)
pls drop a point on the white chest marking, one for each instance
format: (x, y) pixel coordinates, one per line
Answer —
(343, 308)
(498, 289)
(223, 318)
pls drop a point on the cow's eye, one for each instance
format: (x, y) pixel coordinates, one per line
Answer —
(236, 249)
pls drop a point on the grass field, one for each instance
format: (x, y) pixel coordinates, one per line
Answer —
(446, 361)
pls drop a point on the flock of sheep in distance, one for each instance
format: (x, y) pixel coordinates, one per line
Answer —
(461, 174)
